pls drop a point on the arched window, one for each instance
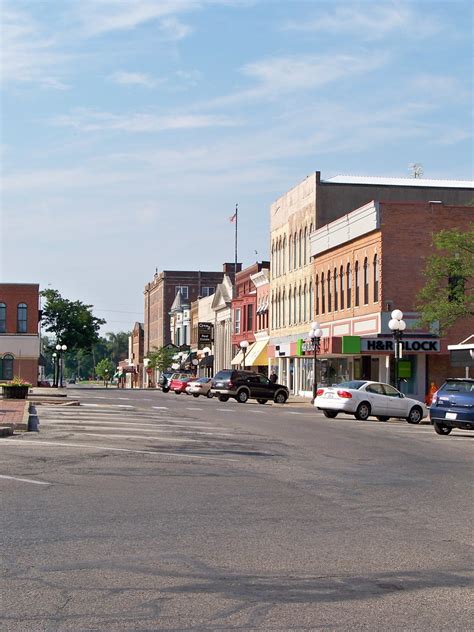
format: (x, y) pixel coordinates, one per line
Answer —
(311, 301)
(356, 283)
(283, 259)
(300, 248)
(341, 286)
(290, 307)
(376, 278)
(295, 251)
(295, 307)
(329, 292)
(366, 281)
(323, 295)
(299, 304)
(272, 318)
(305, 246)
(349, 285)
(336, 302)
(279, 310)
(283, 309)
(305, 303)
(3, 318)
(6, 367)
(273, 262)
(22, 318)
(290, 252)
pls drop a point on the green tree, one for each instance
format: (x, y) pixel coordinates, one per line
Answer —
(117, 345)
(448, 293)
(161, 358)
(105, 370)
(71, 322)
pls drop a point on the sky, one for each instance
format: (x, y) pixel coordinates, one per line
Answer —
(131, 128)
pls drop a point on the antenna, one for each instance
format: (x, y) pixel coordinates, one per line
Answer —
(416, 169)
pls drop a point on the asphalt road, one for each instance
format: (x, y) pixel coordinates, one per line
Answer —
(144, 511)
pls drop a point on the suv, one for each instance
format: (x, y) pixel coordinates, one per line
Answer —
(242, 385)
(453, 406)
(164, 380)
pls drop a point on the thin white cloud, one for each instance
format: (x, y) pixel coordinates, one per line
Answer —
(92, 121)
(134, 79)
(370, 21)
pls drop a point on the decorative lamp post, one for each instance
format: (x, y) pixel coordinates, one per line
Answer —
(315, 335)
(55, 362)
(397, 326)
(106, 378)
(244, 346)
(206, 352)
(60, 349)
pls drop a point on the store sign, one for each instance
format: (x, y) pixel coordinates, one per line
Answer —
(205, 333)
(409, 345)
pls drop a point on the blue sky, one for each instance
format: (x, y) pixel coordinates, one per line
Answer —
(130, 128)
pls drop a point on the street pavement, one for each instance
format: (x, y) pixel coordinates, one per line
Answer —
(143, 511)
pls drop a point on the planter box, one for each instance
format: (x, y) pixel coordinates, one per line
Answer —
(15, 392)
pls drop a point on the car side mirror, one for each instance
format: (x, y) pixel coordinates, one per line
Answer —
(402, 395)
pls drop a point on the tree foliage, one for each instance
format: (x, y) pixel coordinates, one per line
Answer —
(71, 322)
(447, 295)
(105, 369)
(161, 358)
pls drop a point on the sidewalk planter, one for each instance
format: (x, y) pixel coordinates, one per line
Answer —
(15, 391)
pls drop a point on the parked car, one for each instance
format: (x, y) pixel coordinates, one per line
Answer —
(44, 383)
(200, 386)
(453, 406)
(363, 398)
(164, 381)
(179, 382)
(244, 385)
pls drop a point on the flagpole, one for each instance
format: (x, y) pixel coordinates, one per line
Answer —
(236, 223)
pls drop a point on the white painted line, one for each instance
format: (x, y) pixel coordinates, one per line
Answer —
(226, 410)
(24, 480)
(161, 407)
(125, 436)
(122, 398)
(193, 408)
(291, 412)
(98, 447)
(91, 405)
(100, 423)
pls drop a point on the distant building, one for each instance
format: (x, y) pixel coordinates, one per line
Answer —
(19, 331)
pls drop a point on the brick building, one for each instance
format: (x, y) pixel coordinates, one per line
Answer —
(310, 205)
(19, 331)
(161, 292)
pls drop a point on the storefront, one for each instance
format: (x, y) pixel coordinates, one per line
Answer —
(353, 357)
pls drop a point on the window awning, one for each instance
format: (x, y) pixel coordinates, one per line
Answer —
(258, 354)
(207, 361)
(238, 358)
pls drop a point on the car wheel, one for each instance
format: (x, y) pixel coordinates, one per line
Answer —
(441, 429)
(382, 418)
(165, 390)
(280, 397)
(178, 392)
(223, 398)
(415, 415)
(209, 394)
(262, 401)
(242, 396)
(330, 413)
(195, 394)
(363, 411)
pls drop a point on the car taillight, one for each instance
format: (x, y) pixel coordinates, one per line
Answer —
(230, 384)
(344, 394)
(319, 392)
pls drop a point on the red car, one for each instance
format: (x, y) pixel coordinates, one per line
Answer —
(179, 381)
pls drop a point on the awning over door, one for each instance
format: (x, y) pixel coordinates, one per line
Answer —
(238, 359)
(257, 354)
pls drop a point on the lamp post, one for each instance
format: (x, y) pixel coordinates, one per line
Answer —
(244, 346)
(315, 335)
(397, 326)
(60, 349)
(55, 361)
(206, 352)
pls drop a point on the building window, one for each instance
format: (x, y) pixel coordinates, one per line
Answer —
(249, 317)
(283, 309)
(366, 281)
(300, 248)
(237, 321)
(305, 304)
(336, 302)
(356, 283)
(299, 304)
(290, 252)
(207, 291)
(317, 295)
(283, 271)
(22, 318)
(341, 286)
(311, 301)
(329, 292)
(290, 307)
(183, 289)
(3, 318)
(349, 285)
(6, 367)
(295, 306)
(323, 295)
(305, 246)
(376, 279)
(295, 252)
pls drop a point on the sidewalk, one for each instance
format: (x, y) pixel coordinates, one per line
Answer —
(14, 415)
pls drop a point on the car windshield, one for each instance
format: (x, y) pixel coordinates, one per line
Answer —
(461, 386)
(203, 380)
(354, 384)
(223, 375)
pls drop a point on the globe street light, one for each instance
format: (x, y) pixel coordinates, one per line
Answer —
(60, 349)
(397, 325)
(55, 361)
(244, 346)
(206, 352)
(315, 335)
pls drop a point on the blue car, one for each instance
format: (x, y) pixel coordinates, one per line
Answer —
(453, 406)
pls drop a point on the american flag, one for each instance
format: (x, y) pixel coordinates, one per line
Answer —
(233, 217)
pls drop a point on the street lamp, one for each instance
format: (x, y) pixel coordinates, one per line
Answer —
(397, 325)
(315, 335)
(244, 346)
(60, 349)
(206, 352)
(55, 361)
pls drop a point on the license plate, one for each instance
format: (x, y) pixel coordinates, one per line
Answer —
(329, 395)
(219, 385)
(451, 415)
